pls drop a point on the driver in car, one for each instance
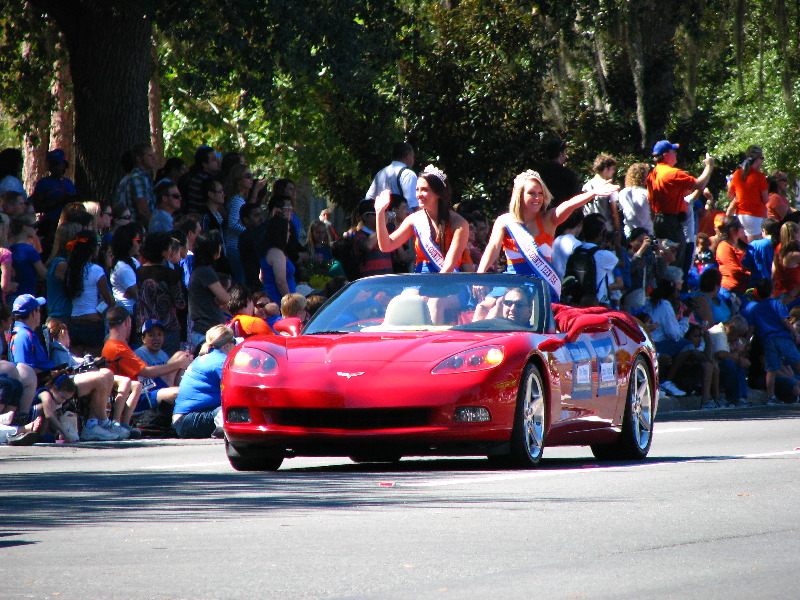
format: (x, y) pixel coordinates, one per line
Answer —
(517, 306)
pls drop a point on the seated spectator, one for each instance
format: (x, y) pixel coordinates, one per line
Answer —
(13, 204)
(294, 305)
(700, 371)
(315, 301)
(199, 398)
(728, 343)
(673, 349)
(709, 307)
(26, 349)
(594, 234)
(49, 404)
(124, 361)
(786, 265)
(244, 322)
(7, 283)
(770, 318)
(264, 308)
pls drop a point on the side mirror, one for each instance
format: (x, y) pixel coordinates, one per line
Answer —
(290, 326)
(588, 324)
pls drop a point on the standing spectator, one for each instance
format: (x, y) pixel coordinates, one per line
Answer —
(705, 224)
(325, 216)
(561, 181)
(786, 265)
(778, 204)
(136, 189)
(251, 244)
(284, 194)
(28, 267)
(125, 247)
(7, 283)
(207, 295)
(647, 266)
(566, 241)
(319, 241)
(199, 397)
(211, 218)
(13, 204)
(371, 259)
(173, 169)
(398, 177)
(277, 270)
(11, 172)
(102, 216)
(86, 285)
(239, 184)
(634, 200)
(206, 166)
(667, 186)
(604, 167)
(760, 253)
(168, 202)
(160, 289)
(748, 190)
(53, 192)
(594, 233)
(59, 304)
(730, 253)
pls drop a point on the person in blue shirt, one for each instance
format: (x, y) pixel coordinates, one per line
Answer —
(25, 348)
(199, 397)
(760, 253)
(770, 318)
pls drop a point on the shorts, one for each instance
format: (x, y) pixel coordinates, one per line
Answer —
(147, 401)
(751, 224)
(779, 351)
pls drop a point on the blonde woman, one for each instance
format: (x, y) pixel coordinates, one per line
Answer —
(199, 397)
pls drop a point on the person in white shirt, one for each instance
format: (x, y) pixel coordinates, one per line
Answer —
(397, 177)
(566, 241)
(634, 200)
(593, 234)
(604, 167)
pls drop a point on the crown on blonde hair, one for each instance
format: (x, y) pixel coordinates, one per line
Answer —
(525, 175)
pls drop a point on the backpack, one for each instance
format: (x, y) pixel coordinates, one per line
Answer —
(344, 251)
(580, 277)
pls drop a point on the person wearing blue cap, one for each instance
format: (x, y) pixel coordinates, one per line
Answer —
(668, 187)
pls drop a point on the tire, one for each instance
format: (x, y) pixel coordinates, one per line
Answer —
(254, 458)
(530, 420)
(637, 426)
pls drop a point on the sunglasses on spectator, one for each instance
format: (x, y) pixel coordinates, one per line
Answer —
(176, 196)
(517, 303)
(126, 217)
(261, 304)
(108, 214)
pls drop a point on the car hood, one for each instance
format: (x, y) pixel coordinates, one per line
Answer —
(417, 347)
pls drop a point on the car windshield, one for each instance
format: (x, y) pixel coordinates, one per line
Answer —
(433, 302)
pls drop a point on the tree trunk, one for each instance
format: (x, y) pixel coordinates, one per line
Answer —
(109, 50)
(785, 46)
(154, 102)
(636, 56)
(36, 144)
(62, 122)
(740, 8)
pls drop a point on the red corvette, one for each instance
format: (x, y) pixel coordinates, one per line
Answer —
(451, 364)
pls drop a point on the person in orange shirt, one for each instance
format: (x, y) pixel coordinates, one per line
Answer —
(244, 322)
(778, 204)
(747, 189)
(668, 186)
(730, 252)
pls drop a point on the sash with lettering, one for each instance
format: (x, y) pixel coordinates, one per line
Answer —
(528, 249)
(430, 248)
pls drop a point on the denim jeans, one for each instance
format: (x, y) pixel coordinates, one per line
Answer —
(196, 424)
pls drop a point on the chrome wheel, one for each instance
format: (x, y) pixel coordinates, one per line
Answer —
(641, 399)
(533, 415)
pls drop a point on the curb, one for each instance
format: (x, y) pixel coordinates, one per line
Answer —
(668, 404)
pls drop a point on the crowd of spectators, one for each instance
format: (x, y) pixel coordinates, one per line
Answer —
(163, 277)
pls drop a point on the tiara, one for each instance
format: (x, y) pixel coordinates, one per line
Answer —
(431, 170)
(525, 176)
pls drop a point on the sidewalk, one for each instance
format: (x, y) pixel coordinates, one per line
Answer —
(667, 404)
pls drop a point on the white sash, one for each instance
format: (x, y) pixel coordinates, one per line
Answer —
(528, 249)
(431, 249)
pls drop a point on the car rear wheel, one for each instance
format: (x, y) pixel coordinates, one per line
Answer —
(637, 425)
(254, 458)
(528, 434)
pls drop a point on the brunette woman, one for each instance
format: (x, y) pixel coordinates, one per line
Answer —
(729, 253)
(277, 270)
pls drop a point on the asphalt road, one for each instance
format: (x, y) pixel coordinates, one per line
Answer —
(713, 513)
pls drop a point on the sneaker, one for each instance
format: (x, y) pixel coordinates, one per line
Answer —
(25, 438)
(773, 401)
(672, 389)
(744, 402)
(708, 405)
(133, 432)
(115, 428)
(93, 432)
(722, 403)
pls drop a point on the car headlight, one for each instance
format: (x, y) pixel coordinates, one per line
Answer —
(253, 361)
(477, 359)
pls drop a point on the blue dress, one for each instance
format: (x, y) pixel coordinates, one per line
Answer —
(268, 277)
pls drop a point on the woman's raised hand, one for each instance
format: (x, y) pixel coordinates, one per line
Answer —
(383, 201)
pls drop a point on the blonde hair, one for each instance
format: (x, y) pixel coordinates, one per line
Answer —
(515, 206)
(64, 234)
(327, 237)
(292, 304)
(216, 338)
(636, 175)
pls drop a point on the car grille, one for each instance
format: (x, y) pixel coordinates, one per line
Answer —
(352, 418)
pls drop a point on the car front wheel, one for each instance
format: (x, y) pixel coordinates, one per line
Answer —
(528, 433)
(254, 458)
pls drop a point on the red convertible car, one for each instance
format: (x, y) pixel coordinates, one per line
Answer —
(447, 364)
